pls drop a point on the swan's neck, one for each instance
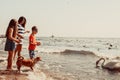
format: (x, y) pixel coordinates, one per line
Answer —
(103, 63)
(97, 62)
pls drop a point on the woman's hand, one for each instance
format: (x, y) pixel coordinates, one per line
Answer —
(17, 40)
(20, 36)
(27, 31)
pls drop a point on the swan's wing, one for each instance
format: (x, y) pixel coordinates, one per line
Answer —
(112, 65)
(117, 65)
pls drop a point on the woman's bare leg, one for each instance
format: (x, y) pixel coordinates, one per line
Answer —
(17, 51)
(10, 58)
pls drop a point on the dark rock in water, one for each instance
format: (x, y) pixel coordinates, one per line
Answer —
(117, 57)
(98, 49)
(107, 43)
(99, 40)
(111, 45)
(116, 46)
(2, 60)
(109, 48)
(52, 36)
(84, 46)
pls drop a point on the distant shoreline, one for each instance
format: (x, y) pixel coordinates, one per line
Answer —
(78, 37)
(2, 36)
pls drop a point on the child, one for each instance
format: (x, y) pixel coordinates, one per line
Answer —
(11, 34)
(21, 32)
(32, 42)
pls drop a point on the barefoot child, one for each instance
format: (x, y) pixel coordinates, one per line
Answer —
(32, 42)
(21, 32)
(11, 34)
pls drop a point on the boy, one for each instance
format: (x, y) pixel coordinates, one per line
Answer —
(32, 42)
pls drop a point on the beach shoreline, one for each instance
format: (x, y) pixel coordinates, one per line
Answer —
(65, 59)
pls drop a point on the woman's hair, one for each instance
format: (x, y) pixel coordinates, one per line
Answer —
(21, 19)
(12, 24)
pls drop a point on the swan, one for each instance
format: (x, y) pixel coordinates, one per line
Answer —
(111, 66)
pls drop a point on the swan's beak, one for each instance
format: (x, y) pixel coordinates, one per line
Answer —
(97, 66)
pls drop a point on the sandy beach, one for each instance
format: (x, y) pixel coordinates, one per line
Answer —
(10, 75)
(26, 73)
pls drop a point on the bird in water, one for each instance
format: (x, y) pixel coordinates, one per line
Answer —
(111, 66)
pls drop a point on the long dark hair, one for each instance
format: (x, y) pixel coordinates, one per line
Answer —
(21, 19)
(12, 24)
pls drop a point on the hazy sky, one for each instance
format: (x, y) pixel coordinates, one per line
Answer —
(72, 18)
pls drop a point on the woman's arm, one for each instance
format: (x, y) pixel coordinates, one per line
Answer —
(20, 36)
(10, 36)
(26, 32)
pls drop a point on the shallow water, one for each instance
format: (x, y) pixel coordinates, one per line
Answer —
(75, 65)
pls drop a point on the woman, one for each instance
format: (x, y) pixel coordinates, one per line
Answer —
(11, 34)
(21, 32)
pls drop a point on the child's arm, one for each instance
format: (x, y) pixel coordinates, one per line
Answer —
(33, 43)
(11, 37)
(38, 43)
(31, 40)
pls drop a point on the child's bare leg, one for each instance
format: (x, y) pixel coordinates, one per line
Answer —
(19, 50)
(16, 50)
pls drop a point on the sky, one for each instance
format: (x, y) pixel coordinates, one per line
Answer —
(65, 18)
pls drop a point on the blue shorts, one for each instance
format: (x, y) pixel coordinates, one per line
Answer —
(31, 53)
(9, 45)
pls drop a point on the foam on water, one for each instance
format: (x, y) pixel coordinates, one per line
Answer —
(37, 76)
(73, 58)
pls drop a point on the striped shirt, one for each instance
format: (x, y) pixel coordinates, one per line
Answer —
(21, 31)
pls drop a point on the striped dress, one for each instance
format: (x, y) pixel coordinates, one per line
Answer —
(21, 31)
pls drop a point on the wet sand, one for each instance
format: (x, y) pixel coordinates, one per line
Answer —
(25, 74)
(12, 75)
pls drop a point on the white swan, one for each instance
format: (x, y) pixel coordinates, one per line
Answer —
(112, 66)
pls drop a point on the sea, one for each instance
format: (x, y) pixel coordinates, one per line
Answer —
(72, 58)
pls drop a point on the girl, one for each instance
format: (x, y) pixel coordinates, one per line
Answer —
(21, 32)
(11, 34)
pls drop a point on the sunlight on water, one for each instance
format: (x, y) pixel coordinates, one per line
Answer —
(73, 58)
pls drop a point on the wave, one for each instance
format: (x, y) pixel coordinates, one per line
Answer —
(72, 52)
(86, 53)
